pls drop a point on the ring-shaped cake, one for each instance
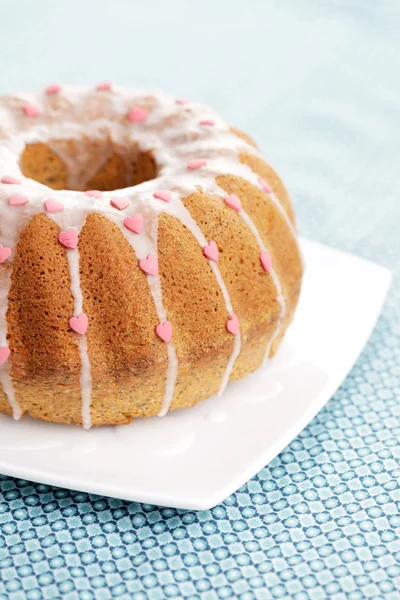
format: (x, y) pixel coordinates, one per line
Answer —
(148, 254)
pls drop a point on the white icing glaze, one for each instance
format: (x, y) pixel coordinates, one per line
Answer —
(65, 220)
(275, 279)
(8, 387)
(179, 210)
(144, 244)
(172, 133)
(5, 377)
(85, 378)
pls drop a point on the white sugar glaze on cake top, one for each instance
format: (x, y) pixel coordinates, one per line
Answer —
(177, 134)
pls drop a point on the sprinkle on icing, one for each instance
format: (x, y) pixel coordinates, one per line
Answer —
(233, 202)
(164, 331)
(53, 206)
(265, 186)
(192, 165)
(181, 101)
(266, 261)
(137, 114)
(69, 238)
(232, 324)
(9, 179)
(5, 253)
(211, 251)
(53, 88)
(93, 193)
(207, 122)
(120, 203)
(164, 195)
(30, 110)
(79, 324)
(4, 354)
(104, 86)
(134, 223)
(18, 200)
(149, 265)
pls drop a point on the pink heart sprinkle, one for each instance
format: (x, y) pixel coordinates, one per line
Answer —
(52, 89)
(233, 202)
(120, 203)
(232, 324)
(4, 354)
(149, 265)
(181, 101)
(69, 238)
(265, 186)
(10, 179)
(266, 261)
(137, 114)
(134, 223)
(196, 164)
(164, 331)
(211, 251)
(17, 200)
(207, 122)
(164, 195)
(30, 110)
(53, 206)
(94, 193)
(104, 86)
(5, 253)
(79, 324)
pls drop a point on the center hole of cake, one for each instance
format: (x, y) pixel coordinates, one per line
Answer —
(90, 165)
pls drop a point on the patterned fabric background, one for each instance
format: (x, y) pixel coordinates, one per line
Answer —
(318, 85)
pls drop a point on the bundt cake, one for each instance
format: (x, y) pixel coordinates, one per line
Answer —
(148, 255)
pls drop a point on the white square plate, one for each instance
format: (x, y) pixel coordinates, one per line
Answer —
(195, 458)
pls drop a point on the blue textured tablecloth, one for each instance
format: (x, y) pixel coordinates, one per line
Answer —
(318, 85)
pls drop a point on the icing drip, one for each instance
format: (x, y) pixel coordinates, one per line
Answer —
(191, 145)
(11, 222)
(145, 244)
(155, 289)
(5, 376)
(275, 279)
(179, 210)
(85, 377)
(76, 221)
(8, 388)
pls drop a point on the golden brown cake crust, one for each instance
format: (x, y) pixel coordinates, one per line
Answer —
(128, 361)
